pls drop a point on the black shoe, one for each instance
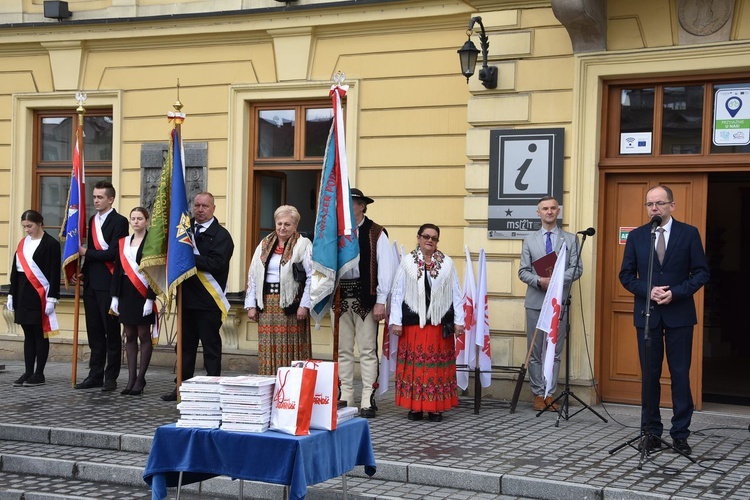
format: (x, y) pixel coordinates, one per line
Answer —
(653, 444)
(125, 392)
(109, 385)
(415, 415)
(23, 378)
(34, 380)
(367, 413)
(138, 392)
(172, 396)
(88, 383)
(682, 446)
(435, 417)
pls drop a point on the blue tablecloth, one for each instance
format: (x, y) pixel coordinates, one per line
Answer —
(272, 457)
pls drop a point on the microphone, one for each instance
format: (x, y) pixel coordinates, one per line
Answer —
(588, 232)
(656, 221)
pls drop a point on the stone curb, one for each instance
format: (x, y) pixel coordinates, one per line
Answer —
(543, 488)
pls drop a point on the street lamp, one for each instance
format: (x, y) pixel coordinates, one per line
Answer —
(468, 56)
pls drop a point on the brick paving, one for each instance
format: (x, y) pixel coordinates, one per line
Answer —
(573, 453)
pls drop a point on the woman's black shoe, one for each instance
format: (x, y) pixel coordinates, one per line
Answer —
(435, 417)
(415, 415)
(125, 392)
(138, 392)
(23, 378)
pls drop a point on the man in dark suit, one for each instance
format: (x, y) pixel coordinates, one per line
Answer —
(204, 305)
(549, 238)
(106, 227)
(680, 270)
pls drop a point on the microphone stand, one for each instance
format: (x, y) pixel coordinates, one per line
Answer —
(646, 437)
(564, 411)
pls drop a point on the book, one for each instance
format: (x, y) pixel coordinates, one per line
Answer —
(545, 265)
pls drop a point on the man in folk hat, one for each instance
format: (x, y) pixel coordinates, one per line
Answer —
(364, 291)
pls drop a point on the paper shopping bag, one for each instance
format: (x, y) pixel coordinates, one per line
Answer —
(326, 397)
(293, 400)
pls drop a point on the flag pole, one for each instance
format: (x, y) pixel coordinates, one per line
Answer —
(77, 304)
(178, 126)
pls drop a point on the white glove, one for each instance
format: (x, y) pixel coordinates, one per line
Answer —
(114, 306)
(49, 308)
(148, 307)
(10, 303)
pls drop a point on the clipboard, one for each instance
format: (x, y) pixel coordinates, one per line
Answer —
(545, 265)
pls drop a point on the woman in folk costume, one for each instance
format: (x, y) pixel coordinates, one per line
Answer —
(34, 293)
(426, 312)
(133, 302)
(278, 293)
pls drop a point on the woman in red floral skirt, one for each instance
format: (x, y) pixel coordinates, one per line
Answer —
(426, 312)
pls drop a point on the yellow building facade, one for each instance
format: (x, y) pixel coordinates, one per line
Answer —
(418, 137)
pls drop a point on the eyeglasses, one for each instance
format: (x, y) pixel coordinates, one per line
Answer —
(427, 237)
(657, 203)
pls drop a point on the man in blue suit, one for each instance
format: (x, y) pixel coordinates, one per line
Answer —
(680, 270)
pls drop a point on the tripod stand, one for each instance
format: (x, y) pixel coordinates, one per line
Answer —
(566, 394)
(646, 438)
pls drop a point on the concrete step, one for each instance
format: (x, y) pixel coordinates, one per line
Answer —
(49, 463)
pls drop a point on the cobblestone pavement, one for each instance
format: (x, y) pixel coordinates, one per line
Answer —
(577, 451)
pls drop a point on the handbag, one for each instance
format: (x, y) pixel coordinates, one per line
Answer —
(448, 322)
(299, 273)
(293, 400)
(325, 400)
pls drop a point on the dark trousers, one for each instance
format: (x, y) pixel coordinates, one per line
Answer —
(679, 348)
(35, 349)
(103, 332)
(203, 326)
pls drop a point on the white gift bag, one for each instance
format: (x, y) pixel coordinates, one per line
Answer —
(325, 401)
(293, 400)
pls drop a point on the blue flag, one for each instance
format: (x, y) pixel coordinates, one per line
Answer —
(73, 228)
(335, 247)
(168, 251)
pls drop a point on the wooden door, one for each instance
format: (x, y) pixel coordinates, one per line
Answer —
(622, 200)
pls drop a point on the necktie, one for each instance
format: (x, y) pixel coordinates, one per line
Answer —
(661, 245)
(548, 245)
(198, 229)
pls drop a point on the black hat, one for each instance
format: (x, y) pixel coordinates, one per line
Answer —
(357, 195)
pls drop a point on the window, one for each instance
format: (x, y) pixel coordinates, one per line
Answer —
(288, 147)
(670, 122)
(54, 141)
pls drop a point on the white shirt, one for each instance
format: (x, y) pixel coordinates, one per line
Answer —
(386, 268)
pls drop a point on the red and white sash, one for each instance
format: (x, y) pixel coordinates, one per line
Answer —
(41, 284)
(99, 243)
(137, 279)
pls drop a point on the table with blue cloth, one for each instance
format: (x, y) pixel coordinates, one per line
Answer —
(271, 457)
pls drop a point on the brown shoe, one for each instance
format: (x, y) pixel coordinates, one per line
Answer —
(539, 403)
(548, 403)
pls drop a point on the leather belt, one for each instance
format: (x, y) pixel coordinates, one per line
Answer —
(350, 289)
(272, 288)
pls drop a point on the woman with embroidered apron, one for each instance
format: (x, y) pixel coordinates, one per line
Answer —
(426, 312)
(133, 302)
(278, 293)
(34, 293)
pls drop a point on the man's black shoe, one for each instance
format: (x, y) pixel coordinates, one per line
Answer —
(415, 415)
(653, 443)
(109, 385)
(367, 413)
(682, 446)
(435, 417)
(172, 396)
(88, 383)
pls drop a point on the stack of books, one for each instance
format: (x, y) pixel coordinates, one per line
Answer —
(345, 413)
(246, 403)
(200, 404)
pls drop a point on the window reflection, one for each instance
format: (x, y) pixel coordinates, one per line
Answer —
(276, 133)
(318, 123)
(56, 136)
(682, 120)
(637, 110)
(97, 143)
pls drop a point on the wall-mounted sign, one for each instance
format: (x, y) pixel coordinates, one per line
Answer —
(635, 143)
(624, 232)
(525, 165)
(732, 117)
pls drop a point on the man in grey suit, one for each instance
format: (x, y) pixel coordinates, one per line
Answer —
(549, 238)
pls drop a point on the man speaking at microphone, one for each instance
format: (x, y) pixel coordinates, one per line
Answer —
(679, 271)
